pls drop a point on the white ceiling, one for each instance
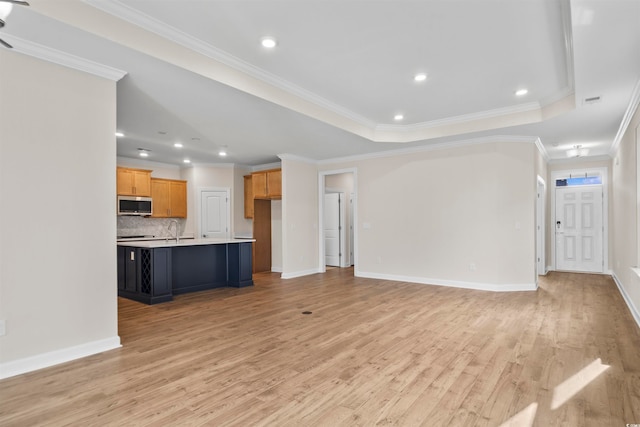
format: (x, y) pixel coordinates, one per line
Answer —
(342, 69)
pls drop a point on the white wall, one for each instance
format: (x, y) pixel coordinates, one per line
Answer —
(58, 290)
(242, 226)
(428, 216)
(299, 218)
(276, 236)
(624, 219)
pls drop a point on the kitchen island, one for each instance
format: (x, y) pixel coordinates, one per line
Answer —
(153, 271)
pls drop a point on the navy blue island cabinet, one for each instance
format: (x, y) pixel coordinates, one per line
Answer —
(154, 271)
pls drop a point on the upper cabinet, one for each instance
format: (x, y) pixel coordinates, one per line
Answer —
(133, 182)
(169, 198)
(267, 184)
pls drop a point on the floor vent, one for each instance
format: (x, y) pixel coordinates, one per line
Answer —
(307, 312)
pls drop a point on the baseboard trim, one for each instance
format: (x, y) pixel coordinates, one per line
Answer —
(632, 308)
(45, 360)
(300, 273)
(452, 283)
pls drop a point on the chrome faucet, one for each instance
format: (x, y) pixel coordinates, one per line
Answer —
(173, 221)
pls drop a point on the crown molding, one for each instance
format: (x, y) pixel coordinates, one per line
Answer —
(542, 150)
(634, 102)
(286, 156)
(434, 147)
(48, 54)
(122, 11)
(345, 118)
(455, 120)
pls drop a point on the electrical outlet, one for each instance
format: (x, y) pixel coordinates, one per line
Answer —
(472, 266)
(2, 328)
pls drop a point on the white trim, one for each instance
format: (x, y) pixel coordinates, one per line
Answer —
(286, 156)
(454, 120)
(604, 173)
(372, 130)
(122, 11)
(295, 274)
(431, 147)
(493, 287)
(632, 308)
(634, 102)
(267, 166)
(199, 192)
(321, 189)
(45, 360)
(542, 150)
(541, 222)
(62, 58)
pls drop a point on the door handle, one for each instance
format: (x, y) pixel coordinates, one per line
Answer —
(558, 223)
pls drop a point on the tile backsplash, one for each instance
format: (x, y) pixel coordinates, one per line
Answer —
(141, 226)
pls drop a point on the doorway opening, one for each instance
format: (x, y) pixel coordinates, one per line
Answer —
(337, 219)
(580, 221)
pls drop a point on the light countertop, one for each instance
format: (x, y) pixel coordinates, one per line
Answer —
(170, 243)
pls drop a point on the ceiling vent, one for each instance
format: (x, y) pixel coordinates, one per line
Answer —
(592, 100)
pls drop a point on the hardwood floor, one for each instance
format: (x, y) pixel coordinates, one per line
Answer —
(371, 353)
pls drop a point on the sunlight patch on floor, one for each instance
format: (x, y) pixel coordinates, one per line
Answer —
(571, 386)
(523, 418)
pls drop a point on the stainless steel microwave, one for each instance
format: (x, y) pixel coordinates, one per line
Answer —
(135, 205)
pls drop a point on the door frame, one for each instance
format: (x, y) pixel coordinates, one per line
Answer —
(198, 215)
(344, 259)
(321, 190)
(604, 173)
(541, 260)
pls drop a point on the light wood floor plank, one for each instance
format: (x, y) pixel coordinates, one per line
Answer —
(372, 352)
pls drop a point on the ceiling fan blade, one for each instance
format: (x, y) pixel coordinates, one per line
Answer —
(5, 44)
(20, 2)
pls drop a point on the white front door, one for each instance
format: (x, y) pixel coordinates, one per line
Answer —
(578, 227)
(214, 218)
(332, 229)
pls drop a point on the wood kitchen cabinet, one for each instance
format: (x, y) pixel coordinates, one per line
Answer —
(133, 182)
(169, 198)
(267, 184)
(248, 196)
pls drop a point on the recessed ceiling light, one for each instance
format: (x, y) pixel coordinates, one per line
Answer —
(187, 161)
(119, 134)
(522, 92)
(162, 132)
(420, 77)
(143, 152)
(268, 42)
(195, 138)
(177, 145)
(222, 152)
(398, 117)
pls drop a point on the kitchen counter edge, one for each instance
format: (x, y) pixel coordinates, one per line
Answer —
(187, 242)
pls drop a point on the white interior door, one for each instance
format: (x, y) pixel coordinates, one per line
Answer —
(578, 228)
(214, 218)
(332, 229)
